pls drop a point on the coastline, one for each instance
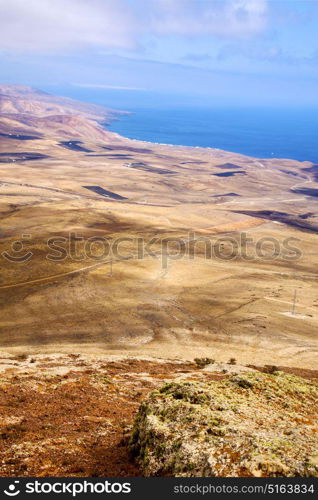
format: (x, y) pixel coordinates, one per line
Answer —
(241, 136)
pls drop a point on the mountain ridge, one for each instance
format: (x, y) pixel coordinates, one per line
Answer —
(26, 109)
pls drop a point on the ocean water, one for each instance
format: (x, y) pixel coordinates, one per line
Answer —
(264, 133)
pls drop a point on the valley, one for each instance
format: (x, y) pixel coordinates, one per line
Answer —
(114, 245)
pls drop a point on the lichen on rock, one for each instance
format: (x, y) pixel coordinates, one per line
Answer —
(254, 424)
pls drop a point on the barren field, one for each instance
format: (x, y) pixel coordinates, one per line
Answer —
(113, 245)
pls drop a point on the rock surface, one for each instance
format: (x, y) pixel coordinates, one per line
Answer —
(250, 424)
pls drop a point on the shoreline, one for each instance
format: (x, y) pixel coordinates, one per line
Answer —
(249, 155)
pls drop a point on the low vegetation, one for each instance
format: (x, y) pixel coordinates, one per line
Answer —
(251, 424)
(202, 362)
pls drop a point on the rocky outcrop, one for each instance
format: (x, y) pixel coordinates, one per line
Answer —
(251, 424)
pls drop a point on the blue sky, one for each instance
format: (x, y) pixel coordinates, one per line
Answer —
(244, 52)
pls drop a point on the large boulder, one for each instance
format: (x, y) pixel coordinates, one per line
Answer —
(251, 424)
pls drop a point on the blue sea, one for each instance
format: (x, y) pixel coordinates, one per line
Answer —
(264, 133)
(177, 119)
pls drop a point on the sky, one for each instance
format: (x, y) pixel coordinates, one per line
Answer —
(187, 52)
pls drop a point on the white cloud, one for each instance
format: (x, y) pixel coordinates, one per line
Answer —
(103, 86)
(215, 17)
(40, 25)
(57, 25)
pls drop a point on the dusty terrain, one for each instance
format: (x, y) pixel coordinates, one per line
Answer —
(73, 415)
(121, 262)
(64, 176)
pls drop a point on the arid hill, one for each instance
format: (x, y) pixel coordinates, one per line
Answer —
(27, 110)
(110, 244)
(121, 262)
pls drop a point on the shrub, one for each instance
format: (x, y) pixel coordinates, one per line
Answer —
(21, 357)
(202, 362)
